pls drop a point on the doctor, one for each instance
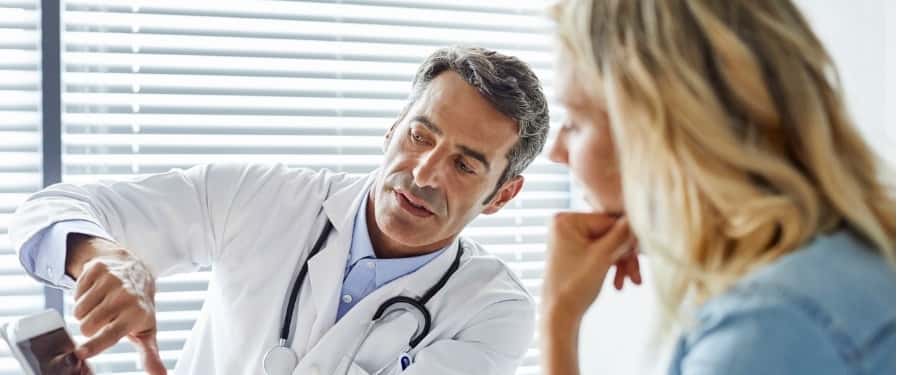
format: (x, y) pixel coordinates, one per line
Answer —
(475, 120)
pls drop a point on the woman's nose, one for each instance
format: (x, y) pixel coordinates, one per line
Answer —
(559, 152)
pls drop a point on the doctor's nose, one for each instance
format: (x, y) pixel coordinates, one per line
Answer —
(427, 170)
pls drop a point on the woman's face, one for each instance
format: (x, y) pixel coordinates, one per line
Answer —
(585, 144)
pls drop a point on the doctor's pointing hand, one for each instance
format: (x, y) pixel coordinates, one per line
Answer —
(314, 271)
(113, 298)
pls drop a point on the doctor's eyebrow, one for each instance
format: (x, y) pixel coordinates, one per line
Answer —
(475, 155)
(466, 150)
(424, 120)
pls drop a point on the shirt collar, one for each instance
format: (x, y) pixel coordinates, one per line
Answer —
(386, 270)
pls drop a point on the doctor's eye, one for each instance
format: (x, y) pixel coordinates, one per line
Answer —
(463, 167)
(417, 139)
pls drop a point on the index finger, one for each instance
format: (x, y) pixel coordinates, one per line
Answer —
(592, 224)
(108, 336)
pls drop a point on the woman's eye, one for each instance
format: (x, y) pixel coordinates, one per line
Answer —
(569, 126)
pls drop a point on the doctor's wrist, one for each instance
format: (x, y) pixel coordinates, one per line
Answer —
(81, 249)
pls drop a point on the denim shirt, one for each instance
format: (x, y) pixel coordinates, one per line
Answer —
(828, 308)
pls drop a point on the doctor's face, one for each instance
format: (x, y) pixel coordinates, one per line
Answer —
(442, 163)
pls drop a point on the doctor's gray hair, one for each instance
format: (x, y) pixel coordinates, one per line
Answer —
(508, 84)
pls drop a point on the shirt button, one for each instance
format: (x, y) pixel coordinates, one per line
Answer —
(347, 298)
(370, 264)
(49, 271)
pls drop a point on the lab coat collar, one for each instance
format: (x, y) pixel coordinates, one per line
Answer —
(326, 269)
(341, 205)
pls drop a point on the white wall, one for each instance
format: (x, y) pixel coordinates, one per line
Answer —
(860, 35)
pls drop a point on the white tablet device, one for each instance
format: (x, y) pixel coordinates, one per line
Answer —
(42, 346)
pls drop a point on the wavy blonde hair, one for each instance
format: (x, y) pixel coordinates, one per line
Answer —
(734, 144)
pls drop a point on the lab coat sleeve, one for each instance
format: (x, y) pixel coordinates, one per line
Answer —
(493, 343)
(174, 221)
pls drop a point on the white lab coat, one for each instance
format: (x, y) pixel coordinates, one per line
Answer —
(254, 224)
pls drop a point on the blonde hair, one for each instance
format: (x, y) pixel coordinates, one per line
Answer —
(733, 141)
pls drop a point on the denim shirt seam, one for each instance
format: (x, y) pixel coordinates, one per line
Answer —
(850, 353)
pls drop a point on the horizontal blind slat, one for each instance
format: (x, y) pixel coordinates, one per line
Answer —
(20, 141)
(410, 15)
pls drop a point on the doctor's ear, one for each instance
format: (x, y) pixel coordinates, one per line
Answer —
(507, 192)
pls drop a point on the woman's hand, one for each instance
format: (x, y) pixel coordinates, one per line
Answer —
(581, 249)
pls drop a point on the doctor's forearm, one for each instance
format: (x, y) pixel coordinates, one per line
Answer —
(560, 342)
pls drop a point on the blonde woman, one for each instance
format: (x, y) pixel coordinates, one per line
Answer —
(713, 134)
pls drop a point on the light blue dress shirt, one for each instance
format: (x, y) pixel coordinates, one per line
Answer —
(44, 257)
(365, 273)
(828, 308)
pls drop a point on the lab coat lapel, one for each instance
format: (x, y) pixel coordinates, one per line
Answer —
(381, 350)
(326, 269)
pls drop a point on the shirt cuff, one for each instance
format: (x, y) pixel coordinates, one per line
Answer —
(50, 256)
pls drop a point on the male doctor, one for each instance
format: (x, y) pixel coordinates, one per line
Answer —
(475, 120)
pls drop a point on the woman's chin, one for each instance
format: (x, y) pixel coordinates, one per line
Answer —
(596, 205)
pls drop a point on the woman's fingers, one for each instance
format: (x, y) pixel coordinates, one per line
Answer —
(593, 225)
(619, 280)
(629, 267)
(635, 269)
(610, 248)
(582, 247)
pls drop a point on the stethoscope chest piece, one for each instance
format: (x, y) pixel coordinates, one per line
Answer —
(280, 360)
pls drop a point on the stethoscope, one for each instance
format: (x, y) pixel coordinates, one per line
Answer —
(280, 359)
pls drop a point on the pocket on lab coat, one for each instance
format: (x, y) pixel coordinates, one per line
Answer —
(381, 350)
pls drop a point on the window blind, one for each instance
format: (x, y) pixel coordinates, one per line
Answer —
(154, 85)
(20, 160)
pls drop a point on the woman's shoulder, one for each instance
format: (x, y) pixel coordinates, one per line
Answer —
(836, 279)
(832, 302)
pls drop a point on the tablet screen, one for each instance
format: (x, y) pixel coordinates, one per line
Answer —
(53, 353)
